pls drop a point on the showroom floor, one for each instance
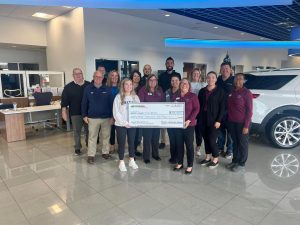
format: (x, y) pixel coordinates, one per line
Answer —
(42, 182)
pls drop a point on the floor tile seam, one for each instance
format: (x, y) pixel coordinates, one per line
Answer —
(19, 206)
(89, 217)
(251, 222)
(148, 195)
(275, 205)
(259, 204)
(204, 200)
(168, 207)
(45, 213)
(123, 202)
(101, 189)
(239, 192)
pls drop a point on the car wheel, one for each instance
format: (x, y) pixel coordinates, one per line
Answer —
(285, 132)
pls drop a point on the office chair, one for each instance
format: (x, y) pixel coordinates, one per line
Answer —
(42, 98)
(6, 106)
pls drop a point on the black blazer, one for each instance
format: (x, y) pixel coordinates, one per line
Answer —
(215, 108)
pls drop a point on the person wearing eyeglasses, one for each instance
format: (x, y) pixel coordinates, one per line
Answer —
(151, 92)
(71, 107)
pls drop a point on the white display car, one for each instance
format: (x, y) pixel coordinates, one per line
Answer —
(276, 102)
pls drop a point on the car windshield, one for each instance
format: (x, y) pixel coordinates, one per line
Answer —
(267, 82)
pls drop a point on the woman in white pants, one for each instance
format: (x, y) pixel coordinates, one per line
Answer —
(120, 113)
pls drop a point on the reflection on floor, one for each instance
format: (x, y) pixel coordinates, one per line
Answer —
(42, 182)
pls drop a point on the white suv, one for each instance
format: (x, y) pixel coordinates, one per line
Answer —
(276, 103)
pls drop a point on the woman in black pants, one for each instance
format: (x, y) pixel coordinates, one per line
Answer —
(186, 135)
(212, 101)
(120, 113)
(240, 110)
(170, 93)
(151, 92)
(136, 77)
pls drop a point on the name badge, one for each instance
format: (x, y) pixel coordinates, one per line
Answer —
(178, 98)
(149, 93)
(103, 92)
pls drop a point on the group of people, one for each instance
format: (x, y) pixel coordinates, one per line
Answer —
(218, 111)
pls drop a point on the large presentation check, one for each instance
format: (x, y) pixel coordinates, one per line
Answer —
(156, 115)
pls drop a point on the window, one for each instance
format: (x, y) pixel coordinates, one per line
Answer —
(272, 82)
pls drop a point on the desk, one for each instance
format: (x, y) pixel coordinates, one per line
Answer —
(12, 123)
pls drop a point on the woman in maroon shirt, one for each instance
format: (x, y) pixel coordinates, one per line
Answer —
(151, 92)
(240, 110)
(186, 135)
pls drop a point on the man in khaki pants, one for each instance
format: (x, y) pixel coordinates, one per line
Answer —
(96, 108)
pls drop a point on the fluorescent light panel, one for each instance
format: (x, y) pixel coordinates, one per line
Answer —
(150, 4)
(196, 43)
(43, 15)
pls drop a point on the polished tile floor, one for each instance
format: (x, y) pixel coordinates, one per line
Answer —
(42, 182)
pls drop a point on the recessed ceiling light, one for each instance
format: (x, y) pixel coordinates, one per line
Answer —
(167, 15)
(262, 38)
(216, 27)
(43, 15)
(242, 33)
(13, 46)
(68, 7)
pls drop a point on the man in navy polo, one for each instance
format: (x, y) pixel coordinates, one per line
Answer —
(97, 113)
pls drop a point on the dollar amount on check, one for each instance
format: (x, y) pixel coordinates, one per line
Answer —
(156, 115)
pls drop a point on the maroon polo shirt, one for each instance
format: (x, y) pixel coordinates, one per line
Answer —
(192, 106)
(240, 106)
(146, 96)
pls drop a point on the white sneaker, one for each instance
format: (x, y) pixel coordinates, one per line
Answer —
(122, 166)
(133, 164)
(198, 152)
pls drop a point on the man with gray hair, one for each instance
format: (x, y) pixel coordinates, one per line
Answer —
(71, 104)
(96, 108)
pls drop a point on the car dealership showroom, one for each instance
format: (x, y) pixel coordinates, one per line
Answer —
(150, 112)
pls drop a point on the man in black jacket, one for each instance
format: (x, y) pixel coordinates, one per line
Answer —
(164, 81)
(147, 70)
(71, 99)
(225, 81)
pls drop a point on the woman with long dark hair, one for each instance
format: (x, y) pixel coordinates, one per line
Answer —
(212, 101)
(136, 77)
(151, 92)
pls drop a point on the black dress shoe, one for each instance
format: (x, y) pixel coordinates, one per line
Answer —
(146, 161)
(162, 146)
(188, 172)
(178, 168)
(157, 158)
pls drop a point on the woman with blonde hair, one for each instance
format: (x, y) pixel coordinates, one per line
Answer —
(185, 136)
(196, 85)
(120, 113)
(113, 81)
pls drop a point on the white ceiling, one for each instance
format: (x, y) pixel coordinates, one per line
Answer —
(26, 12)
(186, 22)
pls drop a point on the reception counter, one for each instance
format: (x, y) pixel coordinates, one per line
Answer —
(12, 122)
